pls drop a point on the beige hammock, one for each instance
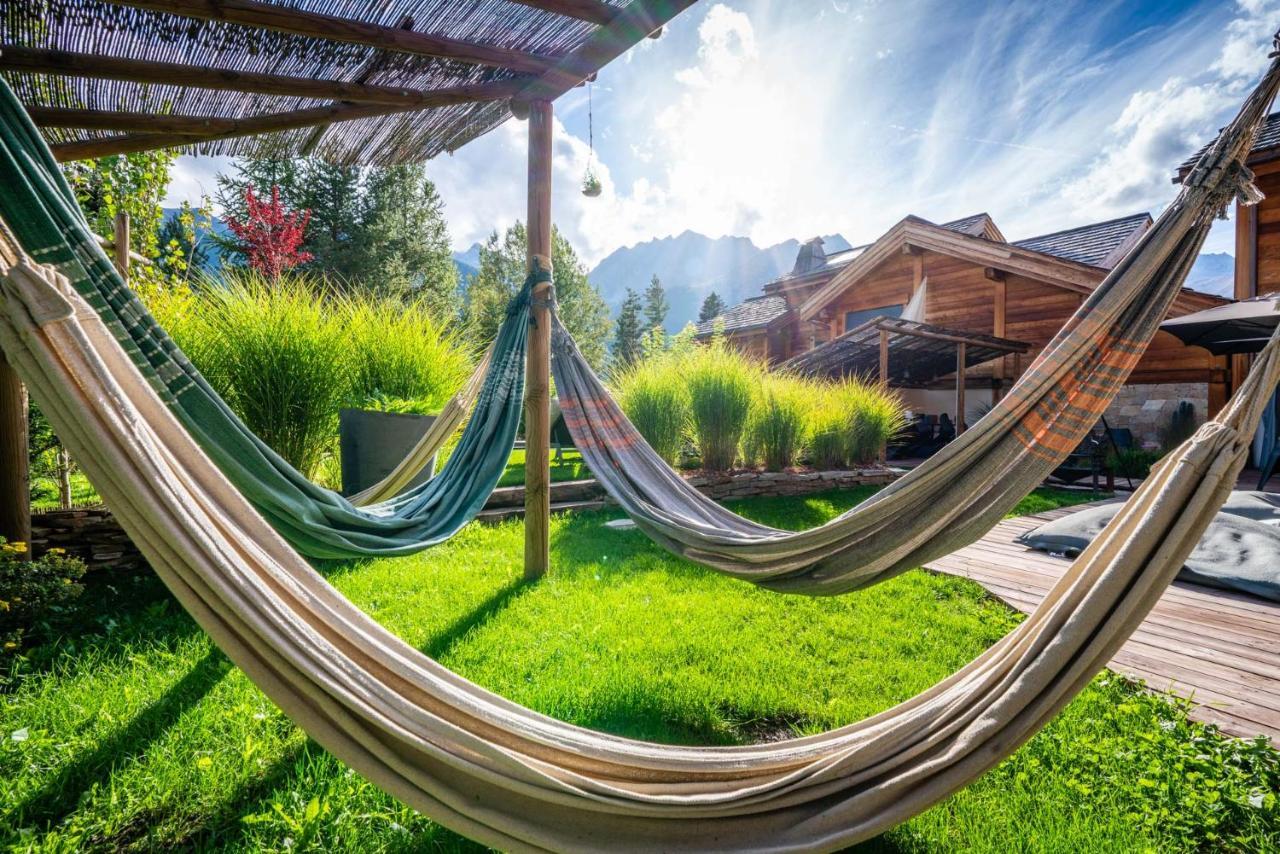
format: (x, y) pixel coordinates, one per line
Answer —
(515, 779)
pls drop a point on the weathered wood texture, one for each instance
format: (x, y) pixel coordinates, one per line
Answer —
(537, 418)
(15, 504)
(1217, 649)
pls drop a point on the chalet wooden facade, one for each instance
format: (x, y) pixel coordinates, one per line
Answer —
(974, 281)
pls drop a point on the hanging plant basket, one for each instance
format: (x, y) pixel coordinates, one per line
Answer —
(591, 186)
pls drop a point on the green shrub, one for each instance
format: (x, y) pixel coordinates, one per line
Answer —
(33, 591)
(778, 425)
(286, 355)
(652, 393)
(1133, 462)
(721, 383)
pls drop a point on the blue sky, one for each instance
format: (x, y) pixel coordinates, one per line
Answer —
(787, 118)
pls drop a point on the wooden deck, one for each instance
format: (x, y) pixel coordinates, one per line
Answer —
(1219, 649)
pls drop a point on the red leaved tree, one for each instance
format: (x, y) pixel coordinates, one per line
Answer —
(272, 236)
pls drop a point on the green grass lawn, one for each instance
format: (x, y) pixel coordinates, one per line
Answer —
(132, 732)
(570, 467)
(44, 492)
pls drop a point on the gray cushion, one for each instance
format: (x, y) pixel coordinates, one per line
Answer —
(1240, 551)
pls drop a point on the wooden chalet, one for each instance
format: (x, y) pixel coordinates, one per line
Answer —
(1001, 301)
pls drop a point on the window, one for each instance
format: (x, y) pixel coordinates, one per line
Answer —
(854, 319)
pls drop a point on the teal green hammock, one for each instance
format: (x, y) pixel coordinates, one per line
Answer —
(41, 211)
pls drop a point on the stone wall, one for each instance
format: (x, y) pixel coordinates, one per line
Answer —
(760, 484)
(1148, 410)
(91, 534)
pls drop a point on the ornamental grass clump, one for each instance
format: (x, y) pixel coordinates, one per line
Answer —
(851, 421)
(287, 354)
(404, 355)
(778, 425)
(721, 383)
(653, 394)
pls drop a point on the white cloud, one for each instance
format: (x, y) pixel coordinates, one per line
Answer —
(194, 178)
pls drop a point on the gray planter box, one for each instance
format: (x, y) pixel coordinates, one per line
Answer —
(373, 444)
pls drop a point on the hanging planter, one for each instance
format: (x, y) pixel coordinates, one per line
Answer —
(591, 186)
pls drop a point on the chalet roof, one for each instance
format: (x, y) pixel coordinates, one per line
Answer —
(347, 80)
(977, 225)
(1267, 141)
(755, 313)
(1101, 244)
(919, 353)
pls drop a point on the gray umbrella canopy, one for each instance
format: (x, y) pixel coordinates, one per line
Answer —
(1241, 327)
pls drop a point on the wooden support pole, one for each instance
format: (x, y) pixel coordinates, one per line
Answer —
(15, 495)
(1001, 288)
(537, 415)
(120, 245)
(884, 358)
(960, 380)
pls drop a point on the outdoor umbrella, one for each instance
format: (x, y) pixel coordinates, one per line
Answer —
(1241, 327)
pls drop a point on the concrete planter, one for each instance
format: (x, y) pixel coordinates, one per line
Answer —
(373, 444)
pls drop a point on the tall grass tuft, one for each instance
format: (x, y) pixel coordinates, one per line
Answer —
(286, 355)
(721, 383)
(778, 425)
(851, 421)
(404, 354)
(652, 393)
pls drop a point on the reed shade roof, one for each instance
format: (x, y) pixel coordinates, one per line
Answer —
(389, 82)
(919, 353)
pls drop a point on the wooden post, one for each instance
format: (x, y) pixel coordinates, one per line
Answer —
(121, 245)
(960, 378)
(537, 416)
(15, 495)
(884, 358)
(1001, 287)
(1246, 280)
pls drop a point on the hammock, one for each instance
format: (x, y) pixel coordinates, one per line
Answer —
(954, 497)
(42, 213)
(517, 780)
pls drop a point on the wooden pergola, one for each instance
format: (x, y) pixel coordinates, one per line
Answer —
(906, 354)
(350, 81)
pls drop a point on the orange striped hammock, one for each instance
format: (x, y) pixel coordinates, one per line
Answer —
(958, 494)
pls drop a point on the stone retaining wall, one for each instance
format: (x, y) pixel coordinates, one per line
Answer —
(1148, 409)
(760, 484)
(91, 534)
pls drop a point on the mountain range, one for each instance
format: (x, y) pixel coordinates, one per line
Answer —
(692, 265)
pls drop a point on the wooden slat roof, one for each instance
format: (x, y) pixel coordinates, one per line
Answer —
(351, 81)
(919, 353)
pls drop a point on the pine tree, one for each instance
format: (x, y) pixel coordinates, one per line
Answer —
(502, 272)
(655, 305)
(628, 332)
(404, 238)
(712, 307)
(332, 194)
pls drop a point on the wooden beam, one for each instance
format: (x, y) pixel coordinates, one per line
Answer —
(537, 415)
(637, 20)
(15, 488)
(884, 358)
(1000, 301)
(121, 243)
(994, 274)
(591, 11)
(282, 19)
(911, 249)
(961, 368)
(15, 58)
(1246, 278)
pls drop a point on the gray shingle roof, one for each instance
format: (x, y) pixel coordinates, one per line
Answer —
(1099, 245)
(755, 313)
(968, 225)
(1268, 137)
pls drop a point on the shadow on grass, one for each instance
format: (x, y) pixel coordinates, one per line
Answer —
(60, 796)
(440, 645)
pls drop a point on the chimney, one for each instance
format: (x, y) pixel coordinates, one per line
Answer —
(810, 258)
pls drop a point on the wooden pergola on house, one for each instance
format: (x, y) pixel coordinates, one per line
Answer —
(906, 354)
(350, 81)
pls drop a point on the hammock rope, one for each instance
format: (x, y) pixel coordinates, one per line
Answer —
(40, 210)
(955, 496)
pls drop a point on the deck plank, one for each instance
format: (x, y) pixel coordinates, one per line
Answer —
(1215, 648)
